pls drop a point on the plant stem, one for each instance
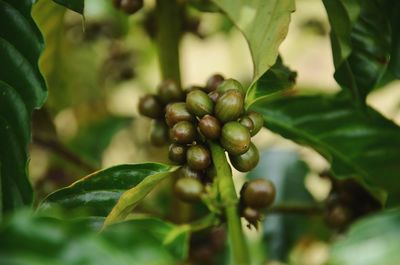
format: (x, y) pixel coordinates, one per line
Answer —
(230, 201)
(169, 31)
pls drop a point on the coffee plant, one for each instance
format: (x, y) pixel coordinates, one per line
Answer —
(205, 190)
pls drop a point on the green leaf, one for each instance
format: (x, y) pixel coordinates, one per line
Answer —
(374, 240)
(39, 241)
(264, 24)
(130, 199)
(360, 39)
(97, 193)
(358, 144)
(279, 77)
(22, 89)
(282, 231)
(92, 139)
(394, 64)
(74, 5)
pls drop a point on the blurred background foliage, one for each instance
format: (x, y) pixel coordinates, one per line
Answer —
(97, 68)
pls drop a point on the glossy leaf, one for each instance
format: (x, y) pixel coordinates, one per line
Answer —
(281, 231)
(279, 77)
(361, 41)
(394, 64)
(26, 240)
(75, 5)
(374, 240)
(22, 89)
(264, 24)
(93, 138)
(97, 193)
(130, 199)
(358, 144)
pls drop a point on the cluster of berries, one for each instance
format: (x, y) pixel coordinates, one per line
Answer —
(255, 196)
(188, 119)
(128, 6)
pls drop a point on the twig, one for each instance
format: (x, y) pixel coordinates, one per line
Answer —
(61, 150)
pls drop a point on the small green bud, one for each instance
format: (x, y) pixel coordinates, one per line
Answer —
(199, 104)
(210, 127)
(229, 106)
(198, 157)
(214, 95)
(168, 92)
(176, 112)
(235, 138)
(246, 161)
(149, 106)
(183, 132)
(251, 215)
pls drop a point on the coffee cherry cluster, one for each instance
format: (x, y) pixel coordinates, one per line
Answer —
(188, 119)
(347, 202)
(128, 6)
(255, 196)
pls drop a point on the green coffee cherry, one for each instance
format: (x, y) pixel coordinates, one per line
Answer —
(210, 127)
(177, 153)
(159, 133)
(235, 138)
(168, 92)
(193, 88)
(149, 106)
(198, 157)
(187, 172)
(188, 189)
(247, 122)
(214, 95)
(231, 84)
(246, 161)
(258, 193)
(183, 132)
(130, 6)
(199, 104)
(213, 82)
(176, 112)
(258, 121)
(229, 106)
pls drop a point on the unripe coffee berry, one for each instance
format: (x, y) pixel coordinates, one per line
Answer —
(258, 121)
(176, 112)
(177, 153)
(168, 92)
(198, 157)
(246, 161)
(213, 82)
(199, 104)
(235, 138)
(187, 172)
(229, 106)
(247, 122)
(149, 106)
(210, 127)
(183, 132)
(231, 84)
(159, 133)
(188, 189)
(251, 215)
(258, 193)
(130, 6)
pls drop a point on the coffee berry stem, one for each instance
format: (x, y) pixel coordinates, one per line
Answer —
(230, 201)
